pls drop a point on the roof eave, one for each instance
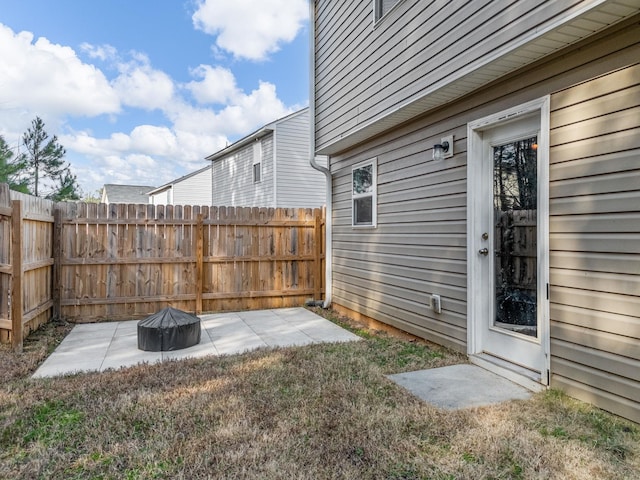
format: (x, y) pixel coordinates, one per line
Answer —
(532, 48)
(240, 143)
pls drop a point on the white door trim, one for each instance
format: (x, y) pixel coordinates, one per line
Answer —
(474, 186)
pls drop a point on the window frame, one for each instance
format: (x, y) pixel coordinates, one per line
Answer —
(257, 162)
(373, 193)
(378, 14)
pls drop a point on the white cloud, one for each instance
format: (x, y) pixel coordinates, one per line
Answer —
(132, 169)
(261, 106)
(50, 79)
(250, 29)
(101, 52)
(170, 128)
(140, 85)
(242, 113)
(218, 85)
(153, 140)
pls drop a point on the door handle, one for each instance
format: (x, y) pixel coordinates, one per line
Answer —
(484, 251)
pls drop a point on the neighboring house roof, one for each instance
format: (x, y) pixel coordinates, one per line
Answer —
(261, 132)
(177, 180)
(126, 193)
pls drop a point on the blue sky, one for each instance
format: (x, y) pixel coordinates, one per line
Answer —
(140, 91)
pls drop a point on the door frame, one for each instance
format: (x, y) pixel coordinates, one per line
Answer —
(475, 323)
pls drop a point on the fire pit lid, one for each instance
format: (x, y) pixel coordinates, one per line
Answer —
(169, 329)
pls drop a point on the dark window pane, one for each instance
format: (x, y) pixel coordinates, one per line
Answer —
(363, 211)
(383, 6)
(515, 197)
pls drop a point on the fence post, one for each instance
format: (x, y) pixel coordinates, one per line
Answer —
(57, 260)
(317, 281)
(17, 229)
(199, 263)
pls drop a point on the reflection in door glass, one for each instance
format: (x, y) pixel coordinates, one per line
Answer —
(515, 199)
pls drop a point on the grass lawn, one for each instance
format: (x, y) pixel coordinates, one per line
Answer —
(315, 412)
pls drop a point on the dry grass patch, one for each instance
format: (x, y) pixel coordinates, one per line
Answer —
(321, 411)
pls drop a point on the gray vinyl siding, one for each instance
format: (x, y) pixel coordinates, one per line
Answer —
(193, 190)
(373, 70)
(298, 185)
(595, 240)
(419, 247)
(232, 178)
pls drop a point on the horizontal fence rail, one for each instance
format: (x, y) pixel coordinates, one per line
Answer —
(94, 262)
(26, 264)
(127, 261)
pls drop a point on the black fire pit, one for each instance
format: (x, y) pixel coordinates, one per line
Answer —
(169, 329)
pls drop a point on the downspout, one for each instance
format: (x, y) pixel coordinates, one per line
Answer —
(328, 260)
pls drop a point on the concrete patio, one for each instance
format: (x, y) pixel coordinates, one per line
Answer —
(112, 345)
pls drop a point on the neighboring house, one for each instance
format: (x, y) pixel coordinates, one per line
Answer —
(191, 189)
(269, 168)
(125, 193)
(520, 245)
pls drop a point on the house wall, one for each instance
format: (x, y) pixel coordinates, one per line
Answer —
(297, 183)
(419, 245)
(193, 190)
(595, 239)
(161, 198)
(232, 178)
(374, 70)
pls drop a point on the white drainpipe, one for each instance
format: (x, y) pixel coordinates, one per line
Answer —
(312, 159)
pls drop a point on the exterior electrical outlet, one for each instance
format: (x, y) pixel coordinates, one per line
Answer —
(435, 304)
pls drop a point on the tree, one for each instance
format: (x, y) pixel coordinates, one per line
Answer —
(93, 197)
(68, 189)
(11, 170)
(44, 163)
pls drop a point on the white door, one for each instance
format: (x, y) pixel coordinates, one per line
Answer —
(508, 243)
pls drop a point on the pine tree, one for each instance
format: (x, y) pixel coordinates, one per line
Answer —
(11, 170)
(44, 160)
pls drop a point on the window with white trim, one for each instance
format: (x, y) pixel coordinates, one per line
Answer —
(257, 162)
(363, 194)
(381, 7)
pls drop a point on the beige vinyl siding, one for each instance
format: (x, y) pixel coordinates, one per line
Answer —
(298, 185)
(595, 240)
(419, 248)
(419, 46)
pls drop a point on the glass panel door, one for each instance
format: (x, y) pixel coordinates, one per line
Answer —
(515, 216)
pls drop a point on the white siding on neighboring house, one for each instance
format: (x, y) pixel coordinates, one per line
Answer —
(232, 177)
(194, 190)
(161, 198)
(191, 189)
(287, 180)
(297, 183)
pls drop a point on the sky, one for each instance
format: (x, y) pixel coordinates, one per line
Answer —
(139, 92)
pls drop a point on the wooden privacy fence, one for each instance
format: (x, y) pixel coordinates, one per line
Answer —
(91, 262)
(127, 261)
(26, 264)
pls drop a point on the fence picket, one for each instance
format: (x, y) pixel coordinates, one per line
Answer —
(113, 262)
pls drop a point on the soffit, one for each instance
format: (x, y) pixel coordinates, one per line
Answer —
(533, 47)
